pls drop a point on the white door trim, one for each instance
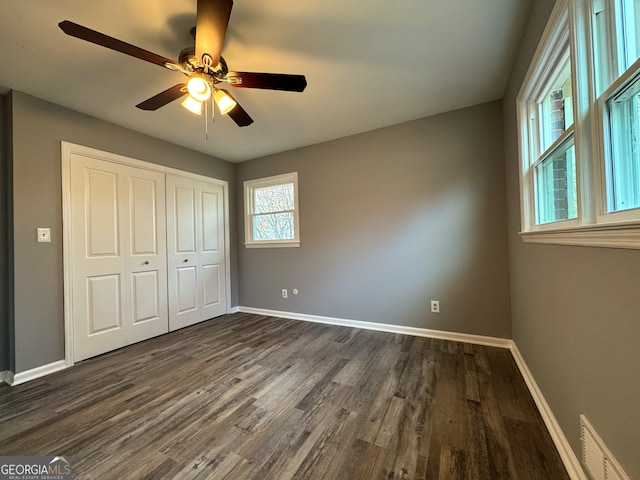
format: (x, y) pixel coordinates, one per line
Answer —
(67, 149)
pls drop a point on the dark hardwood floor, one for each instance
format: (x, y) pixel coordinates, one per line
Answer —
(252, 397)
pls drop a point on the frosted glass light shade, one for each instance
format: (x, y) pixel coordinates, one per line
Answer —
(193, 105)
(225, 102)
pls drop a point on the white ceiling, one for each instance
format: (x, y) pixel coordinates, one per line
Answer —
(368, 64)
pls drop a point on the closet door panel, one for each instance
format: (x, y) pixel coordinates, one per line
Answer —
(102, 225)
(187, 283)
(143, 219)
(210, 285)
(104, 313)
(185, 219)
(144, 292)
(211, 209)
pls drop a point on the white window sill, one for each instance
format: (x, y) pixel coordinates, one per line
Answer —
(272, 244)
(619, 235)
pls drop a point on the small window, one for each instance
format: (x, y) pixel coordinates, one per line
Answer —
(271, 211)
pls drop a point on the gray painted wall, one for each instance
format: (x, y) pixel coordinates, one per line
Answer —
(4, 240)
(391, 219)
(575, 310)
(38, 128)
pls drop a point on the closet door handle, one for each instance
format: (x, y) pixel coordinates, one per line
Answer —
(185, 260)
(146, 262)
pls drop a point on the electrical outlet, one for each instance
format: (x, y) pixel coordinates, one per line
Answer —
(285, 294)
(43, 234)
(435, 306)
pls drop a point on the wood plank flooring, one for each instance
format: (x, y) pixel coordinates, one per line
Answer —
(252, 397)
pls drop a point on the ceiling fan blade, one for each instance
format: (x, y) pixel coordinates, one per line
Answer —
(269, 81)
(84, 33)
(238, 114)
(161, 99)
(211, 27)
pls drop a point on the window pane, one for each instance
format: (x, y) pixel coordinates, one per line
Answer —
(631, 28)
(557, 107)
(623, 168)
(556, 186)
(603, 51)
(616, 39)
(278, 198)
(275, 226)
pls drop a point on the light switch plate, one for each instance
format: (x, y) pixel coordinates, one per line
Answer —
(44, 234)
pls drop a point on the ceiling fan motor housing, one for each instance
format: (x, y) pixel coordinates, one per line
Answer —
(189, 61)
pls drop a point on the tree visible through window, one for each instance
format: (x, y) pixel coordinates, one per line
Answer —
(273, 214)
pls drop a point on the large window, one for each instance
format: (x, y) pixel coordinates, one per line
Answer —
(271, 211)
(580, 180)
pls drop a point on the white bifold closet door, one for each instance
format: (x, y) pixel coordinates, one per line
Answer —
(119, 255)
(195, 251)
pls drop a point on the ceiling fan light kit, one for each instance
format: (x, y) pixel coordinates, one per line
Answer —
(202, 64)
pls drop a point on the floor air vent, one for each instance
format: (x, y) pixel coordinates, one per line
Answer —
(596, 457)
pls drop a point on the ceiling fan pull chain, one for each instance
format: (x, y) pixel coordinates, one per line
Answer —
(206, 123)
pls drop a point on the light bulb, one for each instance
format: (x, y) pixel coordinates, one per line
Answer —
(199, 88)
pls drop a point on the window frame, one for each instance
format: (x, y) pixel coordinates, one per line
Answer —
(249, 187)
(594, 225)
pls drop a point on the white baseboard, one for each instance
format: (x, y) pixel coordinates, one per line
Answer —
(233, 310)
(569, 459)
(38, 372)
(385, 327)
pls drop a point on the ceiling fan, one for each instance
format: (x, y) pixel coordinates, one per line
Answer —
(203, 65)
